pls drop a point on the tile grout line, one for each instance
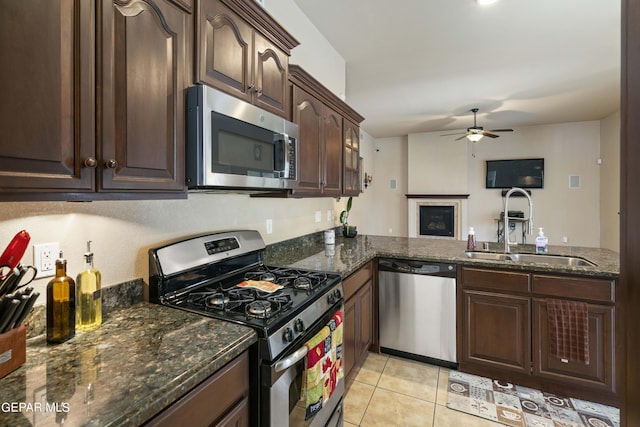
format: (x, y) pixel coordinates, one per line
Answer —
(435, 404)
(375, 387)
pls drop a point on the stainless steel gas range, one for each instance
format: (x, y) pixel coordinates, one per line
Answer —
(222, 275)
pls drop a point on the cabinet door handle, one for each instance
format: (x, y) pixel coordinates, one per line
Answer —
(258, 91)
(250, 88)
(90, 162)
(111, 164)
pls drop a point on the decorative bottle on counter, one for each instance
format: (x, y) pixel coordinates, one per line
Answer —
(61, 304)
(88, 295)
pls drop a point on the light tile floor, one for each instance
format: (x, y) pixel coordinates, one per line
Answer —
(390, 391)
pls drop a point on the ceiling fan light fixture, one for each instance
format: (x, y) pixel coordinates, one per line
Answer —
(486, 2)
(474, 137)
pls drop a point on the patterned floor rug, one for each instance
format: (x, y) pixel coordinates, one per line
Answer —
(519, 406)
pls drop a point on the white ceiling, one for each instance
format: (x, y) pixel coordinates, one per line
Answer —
(421, 65)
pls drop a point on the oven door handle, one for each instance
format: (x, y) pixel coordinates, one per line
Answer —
(291, 360)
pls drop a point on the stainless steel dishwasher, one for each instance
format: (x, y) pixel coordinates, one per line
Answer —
(417, 317)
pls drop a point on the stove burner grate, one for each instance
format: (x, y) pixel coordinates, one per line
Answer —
(222, 300)
(268, 306)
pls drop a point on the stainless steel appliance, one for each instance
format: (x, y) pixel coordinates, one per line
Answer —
(201, 274)
(233, 144)
(418, 310)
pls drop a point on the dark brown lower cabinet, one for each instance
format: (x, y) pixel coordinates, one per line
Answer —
(221, 400)
(497, 329)
(358, 320)
(598, 374)
(504, 331)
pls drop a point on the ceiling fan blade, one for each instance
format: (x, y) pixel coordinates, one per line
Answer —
(462, 137)
(457, 133)
(490, 135)
(500, 130)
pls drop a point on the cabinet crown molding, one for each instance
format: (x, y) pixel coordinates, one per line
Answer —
(259, 18)
(299, 77)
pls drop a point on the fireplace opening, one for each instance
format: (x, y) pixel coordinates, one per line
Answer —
(437, 221)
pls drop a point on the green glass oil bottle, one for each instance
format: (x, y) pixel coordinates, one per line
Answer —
(61, 304)
(88, 295)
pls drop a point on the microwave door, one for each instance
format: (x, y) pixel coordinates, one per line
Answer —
(240, 148)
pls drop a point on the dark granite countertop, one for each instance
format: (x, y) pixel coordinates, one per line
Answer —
(146, 356)
(137, 363)
(347, 255)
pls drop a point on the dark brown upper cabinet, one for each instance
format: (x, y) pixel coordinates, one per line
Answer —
(327, 130)
(244, 52)
(320, 146)
(93, 99)
(351, 174)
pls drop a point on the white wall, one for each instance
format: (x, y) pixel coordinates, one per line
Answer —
(123, 231)
(390, 207)
(610, 182)
(314, 53)
(435, 165)
(364, 211)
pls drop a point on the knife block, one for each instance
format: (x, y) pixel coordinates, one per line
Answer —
(13, 350)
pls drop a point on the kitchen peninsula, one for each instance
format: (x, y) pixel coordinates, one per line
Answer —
(145, 357)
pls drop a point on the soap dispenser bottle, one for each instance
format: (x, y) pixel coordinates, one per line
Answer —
(61, 304)
(541, 242)
(471, 239)
(89, 295)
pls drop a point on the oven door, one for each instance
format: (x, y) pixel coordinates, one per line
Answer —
(283, 394)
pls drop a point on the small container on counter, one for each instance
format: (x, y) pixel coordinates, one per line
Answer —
(330, 237)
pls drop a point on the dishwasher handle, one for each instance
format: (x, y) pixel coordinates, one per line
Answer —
(417, 267)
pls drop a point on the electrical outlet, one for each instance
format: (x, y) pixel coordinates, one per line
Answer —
(269, 226)
(318, 216)
(44, 258)
(329, 215)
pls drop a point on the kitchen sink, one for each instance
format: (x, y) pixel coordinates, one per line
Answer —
(492, 256)
(532, 258)
(553, 259)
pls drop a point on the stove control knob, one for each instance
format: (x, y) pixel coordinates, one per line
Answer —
(299, 325)
(331, 299)
(338, 294)
(288, 335)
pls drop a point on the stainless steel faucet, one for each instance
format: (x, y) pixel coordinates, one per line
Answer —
(507, 243)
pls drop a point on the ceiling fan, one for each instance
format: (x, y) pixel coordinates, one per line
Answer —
(475, 132)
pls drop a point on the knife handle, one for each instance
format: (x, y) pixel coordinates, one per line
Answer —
(8, 315)
(31, 299)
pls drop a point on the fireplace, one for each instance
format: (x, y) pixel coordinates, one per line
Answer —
(437, 220)
(437, 216)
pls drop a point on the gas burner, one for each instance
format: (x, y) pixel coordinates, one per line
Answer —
(261, 309)
(302, 282)
(217, 300)
(267, 276)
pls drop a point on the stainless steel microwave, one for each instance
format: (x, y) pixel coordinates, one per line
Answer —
(232, 144)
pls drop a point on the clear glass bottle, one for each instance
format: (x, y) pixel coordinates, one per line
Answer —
(61, 304)
(88, 295)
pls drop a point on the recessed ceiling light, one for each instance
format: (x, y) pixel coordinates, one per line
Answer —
(485, 2)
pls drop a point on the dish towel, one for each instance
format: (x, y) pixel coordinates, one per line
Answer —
(568, 330)
(323, 365)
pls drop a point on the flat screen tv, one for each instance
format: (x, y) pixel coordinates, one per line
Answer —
(523, 173)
